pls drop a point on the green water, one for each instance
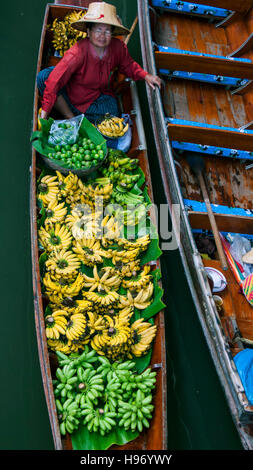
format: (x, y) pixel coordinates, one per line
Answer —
(198, 417)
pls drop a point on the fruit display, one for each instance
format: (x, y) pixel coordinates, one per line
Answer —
(84, 154)
(112, 126)
(98, 291)
(101, 395)
(64, 35)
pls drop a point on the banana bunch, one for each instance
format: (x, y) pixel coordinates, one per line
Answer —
(143, 334)
(139, 280)
(65, 381)
(48, 189)
(64, 35)
(96, 322)
(113, 126)
(55, 237)
(90, 386)
(98, 420)
(102, 299)
(55, 212)
(111, 230)
(69, 415)
(140, 243)
(123, 256)
(76, 327)
(128, 270)
(139, 300)
(86, 226)
(89, 251)
(63, 263)
(105, 280)
(135, 413)
(56, 324)
(63, 287)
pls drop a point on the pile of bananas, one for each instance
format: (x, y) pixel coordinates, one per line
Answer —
(102, 395)
(90, 301)
(64, 35)
(112, 126)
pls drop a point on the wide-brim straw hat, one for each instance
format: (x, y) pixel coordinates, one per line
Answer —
(101, 13)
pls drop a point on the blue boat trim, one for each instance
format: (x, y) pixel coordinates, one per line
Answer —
(229, 82)
(184, 122)
(208, 232)
(211, 150)
(191, 8)
(175, 50)
(198, 206)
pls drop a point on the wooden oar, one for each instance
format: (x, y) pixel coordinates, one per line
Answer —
(131, 30)
(197, 164)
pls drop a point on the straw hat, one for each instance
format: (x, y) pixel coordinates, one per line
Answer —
(101, 13)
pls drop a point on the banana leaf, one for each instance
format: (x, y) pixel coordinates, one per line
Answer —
(39, 139)
(82, 439)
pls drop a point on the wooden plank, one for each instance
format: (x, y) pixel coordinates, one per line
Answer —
(225, 222)
(209, 136)
(203, 64)
(241, 6)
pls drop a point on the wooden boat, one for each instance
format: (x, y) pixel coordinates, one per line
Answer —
(156, 436)
(203, 53)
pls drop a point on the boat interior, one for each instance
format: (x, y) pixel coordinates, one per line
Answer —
(204, 56)
(128, 101)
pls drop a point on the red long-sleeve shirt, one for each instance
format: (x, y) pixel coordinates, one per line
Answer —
(86, 76)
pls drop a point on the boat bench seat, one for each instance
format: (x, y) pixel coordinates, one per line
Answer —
(206, 134)
(192, 8)
(218, 7)
(222, 152)
(178, 63)
(229, 219)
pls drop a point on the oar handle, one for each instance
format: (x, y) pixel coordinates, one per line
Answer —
(212, 222)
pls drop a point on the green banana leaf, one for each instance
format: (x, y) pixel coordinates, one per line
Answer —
(39, 139)
(82, 439)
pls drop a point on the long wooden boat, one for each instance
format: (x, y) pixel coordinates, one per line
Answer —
(203, 53)
(155, 437)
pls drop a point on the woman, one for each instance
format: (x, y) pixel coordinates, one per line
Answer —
(81, 81)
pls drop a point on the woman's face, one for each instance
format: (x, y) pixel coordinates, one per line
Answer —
(100, 35)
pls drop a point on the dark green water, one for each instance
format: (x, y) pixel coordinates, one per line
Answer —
(198, 417)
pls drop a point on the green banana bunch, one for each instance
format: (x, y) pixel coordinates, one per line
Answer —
(136, 413)
(114, 370)
(112, 394)
(98, 420)
(65, 382)
(69, 415)
(90, 386)
(86, 359)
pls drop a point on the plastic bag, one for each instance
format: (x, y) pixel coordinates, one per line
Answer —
(239, 247)
(65, 132)
(244, 364)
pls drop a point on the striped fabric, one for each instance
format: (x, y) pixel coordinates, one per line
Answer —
(102, 105)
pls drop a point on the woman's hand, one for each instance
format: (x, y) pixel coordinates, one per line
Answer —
(153, 81)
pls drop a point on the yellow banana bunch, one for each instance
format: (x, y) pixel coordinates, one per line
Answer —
(130, 269)
(143, 334)
(89, 251)
(86, 227)
(56, 324)
(76, 326)
(113, 127)
(104, 281)
(140, 243)
(48, 189)
(139, 281)
(140, 300)
(55, 212)
(95, 322)
(64, 35)
(103, 300)
(63, 263)
(56, 237)
(123, 256)
(112, 230)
